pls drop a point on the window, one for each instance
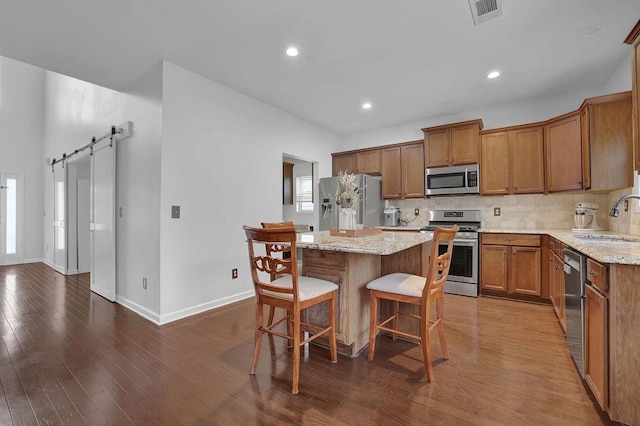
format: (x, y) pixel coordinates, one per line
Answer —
(304, 194)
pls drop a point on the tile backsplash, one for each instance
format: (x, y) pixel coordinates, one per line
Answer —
(537, 211)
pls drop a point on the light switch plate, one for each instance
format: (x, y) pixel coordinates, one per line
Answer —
(175, 212)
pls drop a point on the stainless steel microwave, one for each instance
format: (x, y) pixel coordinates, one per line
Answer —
(452, 180)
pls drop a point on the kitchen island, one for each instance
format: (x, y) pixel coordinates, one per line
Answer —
(352, 262)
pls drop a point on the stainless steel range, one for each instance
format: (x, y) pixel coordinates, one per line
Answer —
(463, 274)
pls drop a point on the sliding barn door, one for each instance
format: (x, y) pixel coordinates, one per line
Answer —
(103, 220)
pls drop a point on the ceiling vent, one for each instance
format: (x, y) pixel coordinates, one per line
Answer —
(484, 10)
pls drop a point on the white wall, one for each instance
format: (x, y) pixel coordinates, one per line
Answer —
(21, 121)
(76, 111)
(222, 163)
(532, 110)
(620, 80)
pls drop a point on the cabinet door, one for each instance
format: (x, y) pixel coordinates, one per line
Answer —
(525, 271)
(610, 145)
(436, 148)
(413, 171)
(563, 152)
(494, 275)
(369, 162)
(595, 345)
(465, 144)
(559, 284)
(343, 163)
(527, 160)
(494, 167)
(391, 173)
(287, 183)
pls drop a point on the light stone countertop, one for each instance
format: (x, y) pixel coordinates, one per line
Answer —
(383, 243)
(621, 252)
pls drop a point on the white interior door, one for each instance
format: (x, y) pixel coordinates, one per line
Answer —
(103, 221)
(11, 214)
(59, 218)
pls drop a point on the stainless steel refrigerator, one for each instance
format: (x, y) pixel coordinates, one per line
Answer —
(369, 205)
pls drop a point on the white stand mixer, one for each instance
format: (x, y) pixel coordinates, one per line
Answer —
(585, 218)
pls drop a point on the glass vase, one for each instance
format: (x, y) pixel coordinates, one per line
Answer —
(347, 218)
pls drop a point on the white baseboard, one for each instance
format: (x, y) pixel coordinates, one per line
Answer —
(40, 260)
(139, 309)
(183, 313)
(187, 312)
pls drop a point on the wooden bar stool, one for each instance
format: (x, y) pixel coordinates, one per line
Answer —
(274, 249)
(290, 292)
(415, 290)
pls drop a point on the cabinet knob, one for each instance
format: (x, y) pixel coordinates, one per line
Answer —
(515, 187)
(579, 182)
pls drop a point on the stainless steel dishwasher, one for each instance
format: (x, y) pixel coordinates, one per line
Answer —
(575, 277)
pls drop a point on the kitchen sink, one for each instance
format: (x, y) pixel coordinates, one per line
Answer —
(607, 238)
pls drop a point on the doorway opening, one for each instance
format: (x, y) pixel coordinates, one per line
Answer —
(302, 184)
(11, 215)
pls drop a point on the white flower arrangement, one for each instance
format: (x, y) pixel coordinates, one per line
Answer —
(347, 190)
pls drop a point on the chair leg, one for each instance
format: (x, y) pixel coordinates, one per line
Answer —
(373, 318)
(296, 351)
(289, 329)
(257, 343)
(272, 312)
(396, 309)
(424, 343)
(333, 346)
(440, 319)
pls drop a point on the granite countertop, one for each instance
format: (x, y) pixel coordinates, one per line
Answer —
(624, 249)
(383, 243)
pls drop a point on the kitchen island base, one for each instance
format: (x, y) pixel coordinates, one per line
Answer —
(352, 272)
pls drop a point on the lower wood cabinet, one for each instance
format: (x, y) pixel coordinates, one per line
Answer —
(596, 327)
(511, 264)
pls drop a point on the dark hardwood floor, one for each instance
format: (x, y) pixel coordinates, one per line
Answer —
(69, 356)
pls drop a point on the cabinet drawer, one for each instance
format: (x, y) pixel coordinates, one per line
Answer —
(322, 258)
(558, 248)
(523, 240)
(597, 275)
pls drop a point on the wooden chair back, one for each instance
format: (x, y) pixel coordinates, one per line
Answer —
(440, 263)
(284, 239)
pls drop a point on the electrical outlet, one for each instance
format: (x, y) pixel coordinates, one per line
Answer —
(175, 212)
(496, 211)
(144, 283)
(120, 211)
(234, 273)
(626, 205)
(416, 212)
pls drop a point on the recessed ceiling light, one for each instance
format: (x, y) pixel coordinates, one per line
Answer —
(292, 51)
(493, 74)
(366, 105)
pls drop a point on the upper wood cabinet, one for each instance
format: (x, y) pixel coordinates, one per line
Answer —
(634, 40)
(343, 163)
(451, 144)
(287, 183)
(563, 153)
(607, 142)
(369, 162)
(512, 161)
(365, 161)
(403, 171)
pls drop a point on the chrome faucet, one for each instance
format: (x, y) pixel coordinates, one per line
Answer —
(614, 211)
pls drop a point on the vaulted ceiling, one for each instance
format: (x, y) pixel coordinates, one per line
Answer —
(411, 59)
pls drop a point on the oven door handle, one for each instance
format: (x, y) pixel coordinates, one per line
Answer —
(467, 243)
